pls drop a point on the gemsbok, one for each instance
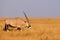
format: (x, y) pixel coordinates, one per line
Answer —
(16, 23)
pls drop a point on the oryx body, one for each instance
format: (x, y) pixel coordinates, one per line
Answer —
(16, 23)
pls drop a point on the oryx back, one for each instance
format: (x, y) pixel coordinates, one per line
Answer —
(16, 22)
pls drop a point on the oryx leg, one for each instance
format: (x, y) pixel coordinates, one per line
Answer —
(9, 27)
(6, 27)
(18, 28)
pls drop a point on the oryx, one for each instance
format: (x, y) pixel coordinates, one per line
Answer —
(16, 23)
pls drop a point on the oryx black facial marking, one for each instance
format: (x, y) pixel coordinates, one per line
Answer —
(29, 26)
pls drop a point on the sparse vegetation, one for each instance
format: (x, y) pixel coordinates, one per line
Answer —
(42, 29)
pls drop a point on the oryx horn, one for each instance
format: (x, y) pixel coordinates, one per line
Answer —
(26, 17)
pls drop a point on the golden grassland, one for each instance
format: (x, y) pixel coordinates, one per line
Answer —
(42, 29)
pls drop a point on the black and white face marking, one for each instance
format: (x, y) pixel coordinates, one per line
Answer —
(28, 25)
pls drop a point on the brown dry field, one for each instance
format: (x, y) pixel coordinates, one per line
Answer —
(42, 29)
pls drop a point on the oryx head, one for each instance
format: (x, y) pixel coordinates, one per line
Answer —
(27, 21)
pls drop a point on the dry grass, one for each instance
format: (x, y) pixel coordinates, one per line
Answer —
(42, 29)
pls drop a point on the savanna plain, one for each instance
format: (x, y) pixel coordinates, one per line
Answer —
(41, 29)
